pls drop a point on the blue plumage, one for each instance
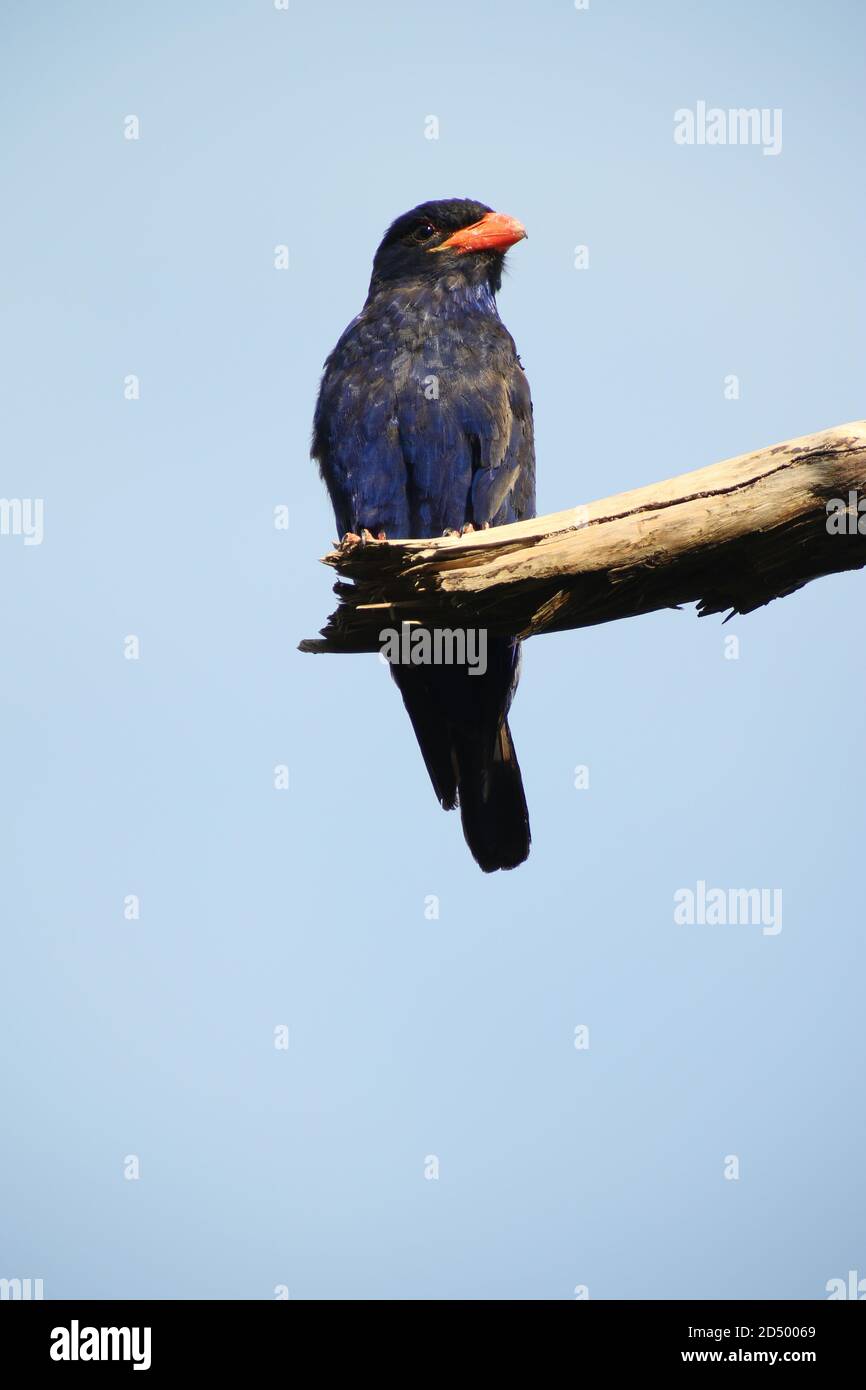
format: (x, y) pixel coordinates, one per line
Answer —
(424, 425)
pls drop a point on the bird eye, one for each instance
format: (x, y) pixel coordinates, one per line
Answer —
(424, 231)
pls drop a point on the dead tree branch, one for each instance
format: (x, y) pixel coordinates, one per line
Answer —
(733, 536)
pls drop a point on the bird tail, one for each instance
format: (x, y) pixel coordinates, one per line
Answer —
(461, 724)
(492, 800)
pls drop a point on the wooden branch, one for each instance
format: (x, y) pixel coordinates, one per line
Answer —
(732, 536)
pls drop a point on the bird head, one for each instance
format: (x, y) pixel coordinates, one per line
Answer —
(455, 237)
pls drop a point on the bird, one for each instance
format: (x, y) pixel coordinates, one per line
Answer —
(423, 427)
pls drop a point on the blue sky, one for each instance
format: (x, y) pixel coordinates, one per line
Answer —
(602, 1167)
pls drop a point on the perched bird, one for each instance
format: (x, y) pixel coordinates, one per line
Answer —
(423, 427)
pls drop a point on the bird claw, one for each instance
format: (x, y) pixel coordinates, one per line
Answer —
(449, 531)
(366, 536)
(467, 530)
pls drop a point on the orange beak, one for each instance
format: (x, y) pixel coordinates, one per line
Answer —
(495, 232)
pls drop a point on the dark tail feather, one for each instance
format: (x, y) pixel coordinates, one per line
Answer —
(492, 801)
(431, 731)
(466, 764)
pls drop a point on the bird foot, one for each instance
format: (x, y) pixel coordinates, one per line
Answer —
(352, 538)
(468, 529)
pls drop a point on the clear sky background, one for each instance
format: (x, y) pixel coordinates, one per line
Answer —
(411, 1037)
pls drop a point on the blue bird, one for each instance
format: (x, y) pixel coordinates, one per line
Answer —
(423, 427)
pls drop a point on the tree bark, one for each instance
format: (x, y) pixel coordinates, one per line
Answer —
(733, 537)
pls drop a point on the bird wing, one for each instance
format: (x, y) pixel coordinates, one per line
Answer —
(465, 417)
(356, 437)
